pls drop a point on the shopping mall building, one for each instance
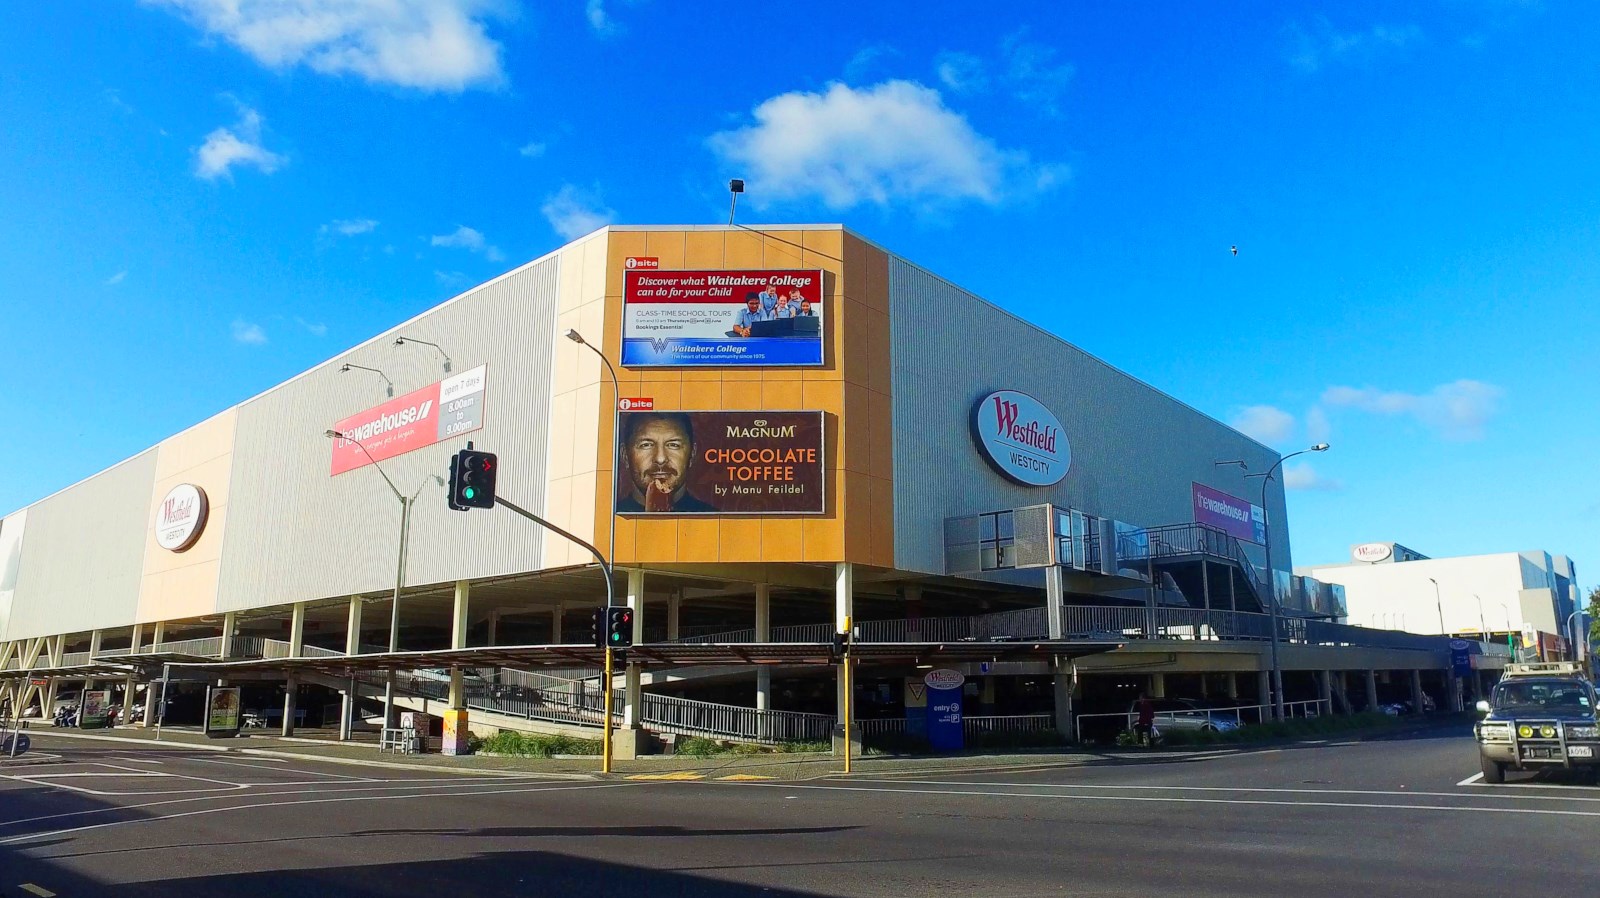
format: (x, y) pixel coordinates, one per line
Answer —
(812, 430)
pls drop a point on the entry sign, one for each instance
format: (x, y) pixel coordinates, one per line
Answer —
(1460, 657)
(945, 729)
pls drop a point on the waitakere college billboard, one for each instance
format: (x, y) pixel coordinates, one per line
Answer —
(724, 318)
(690, 463)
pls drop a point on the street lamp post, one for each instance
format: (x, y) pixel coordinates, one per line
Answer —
(399, 574)
(1272, 581)
(1483, 627)
(1439, 602)
(616, 417)
(1572, 631)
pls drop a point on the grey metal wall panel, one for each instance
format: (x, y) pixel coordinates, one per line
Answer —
(1135, 450)
(83, 553)
(295, 533)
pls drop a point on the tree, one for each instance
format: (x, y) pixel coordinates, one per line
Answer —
(1594, 615)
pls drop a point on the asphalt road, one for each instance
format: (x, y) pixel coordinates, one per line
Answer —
(1372, 818)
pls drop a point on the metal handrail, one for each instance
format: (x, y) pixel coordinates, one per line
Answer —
(1307, 708)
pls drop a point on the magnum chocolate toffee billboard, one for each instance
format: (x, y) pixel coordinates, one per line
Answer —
(708, 463)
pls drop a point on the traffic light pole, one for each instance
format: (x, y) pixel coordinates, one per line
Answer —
(849, 696)
(605, 751)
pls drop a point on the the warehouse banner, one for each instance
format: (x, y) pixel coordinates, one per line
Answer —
(449, 408)
(1230, 513)
(692, 463)
(687, 318)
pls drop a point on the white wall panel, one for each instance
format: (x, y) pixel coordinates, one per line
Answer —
(1135, 450)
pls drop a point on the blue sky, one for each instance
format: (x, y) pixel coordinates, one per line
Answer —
(203, 198)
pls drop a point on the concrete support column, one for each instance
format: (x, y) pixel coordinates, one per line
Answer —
(1205, 685)
(763, 634)
(1158, 685)
(458, 640)
(1416, 691)
(1233, 685)
(632, 709)
(674, 605)
(352, 646)
(1453, 688)
(1062, 686)
(1264, 692)
(129, 684)
(291, 694)
(94, 643)
(1054, 596)
(230, 629)
(1372, 690)
(494, 625)
(844, 609)
(557, 618)
(58, 650)
(1325, 692)
(297, 630)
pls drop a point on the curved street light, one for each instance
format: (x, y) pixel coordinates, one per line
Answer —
(1272, 580)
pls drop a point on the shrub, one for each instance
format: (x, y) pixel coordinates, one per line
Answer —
(696, 747)
(537, 745)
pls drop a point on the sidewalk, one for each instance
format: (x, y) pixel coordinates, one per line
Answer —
(798, 766)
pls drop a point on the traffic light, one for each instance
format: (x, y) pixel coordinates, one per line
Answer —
(837, 649)
(619, 627)
(597, 627)
(472, 476)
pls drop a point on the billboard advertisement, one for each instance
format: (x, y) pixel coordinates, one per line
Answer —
(725, 318)
(93, 714)
(1229, 513)
(692, 463)
(222, 711)
(449, 408)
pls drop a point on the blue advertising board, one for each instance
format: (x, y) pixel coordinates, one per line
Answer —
(946, 732)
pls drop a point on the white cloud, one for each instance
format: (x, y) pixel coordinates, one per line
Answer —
(573, 212)
(892, 142)
(348, 227)
(315, 330)
(468, 239)
(532, 150)
(114, 97)
(1266, 423)
(599, 20)
(1318, 428)
(1456, 411)
(1311, 48)
(449, 278)
(116, 279)
(425, 44)
(1304, 477)
(866, 60)
(225, 148)
(1034, 75)
(247, 333)
(962, 72)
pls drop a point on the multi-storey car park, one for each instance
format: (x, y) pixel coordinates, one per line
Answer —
(814, 430)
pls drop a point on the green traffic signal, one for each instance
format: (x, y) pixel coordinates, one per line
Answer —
(469, 492)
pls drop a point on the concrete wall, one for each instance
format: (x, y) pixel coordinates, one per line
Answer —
(1400, 596)
(1135, 450)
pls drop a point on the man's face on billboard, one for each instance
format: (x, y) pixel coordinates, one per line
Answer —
(659, 454)
(753, 305)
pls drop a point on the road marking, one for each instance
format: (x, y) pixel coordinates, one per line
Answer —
(41, 891)
(138, 760)
(453, 782)
(680, 776)
(1169, 800)
(53, 776)
(295, 770)
(283, 804)
(744, 778)
(1108, 787)
(1470, 780)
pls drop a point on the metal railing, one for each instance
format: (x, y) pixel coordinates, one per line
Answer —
(74, 659)
(691, 718)
(1239, 715)
(205, 647)
(989, 725)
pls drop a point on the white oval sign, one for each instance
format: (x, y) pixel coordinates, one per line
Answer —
(944, 678)
(1372, 551)
(1021, 438)
(181, 517)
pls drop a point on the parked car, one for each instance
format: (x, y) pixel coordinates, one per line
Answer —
(1185, 714)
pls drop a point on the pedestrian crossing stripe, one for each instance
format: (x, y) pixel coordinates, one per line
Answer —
(680, 775)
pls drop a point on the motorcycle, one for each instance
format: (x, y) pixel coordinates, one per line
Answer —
(66, 716)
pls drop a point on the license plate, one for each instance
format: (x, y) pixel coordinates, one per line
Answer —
(1580, 751)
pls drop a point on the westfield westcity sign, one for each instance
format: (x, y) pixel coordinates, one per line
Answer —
(1021, 438)
(451, 407)
(181, 517)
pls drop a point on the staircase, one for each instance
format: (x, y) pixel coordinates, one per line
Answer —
(1190, 553)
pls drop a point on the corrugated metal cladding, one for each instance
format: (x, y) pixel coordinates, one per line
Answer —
(84, 552)
(295, 533)
(1135, 450)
